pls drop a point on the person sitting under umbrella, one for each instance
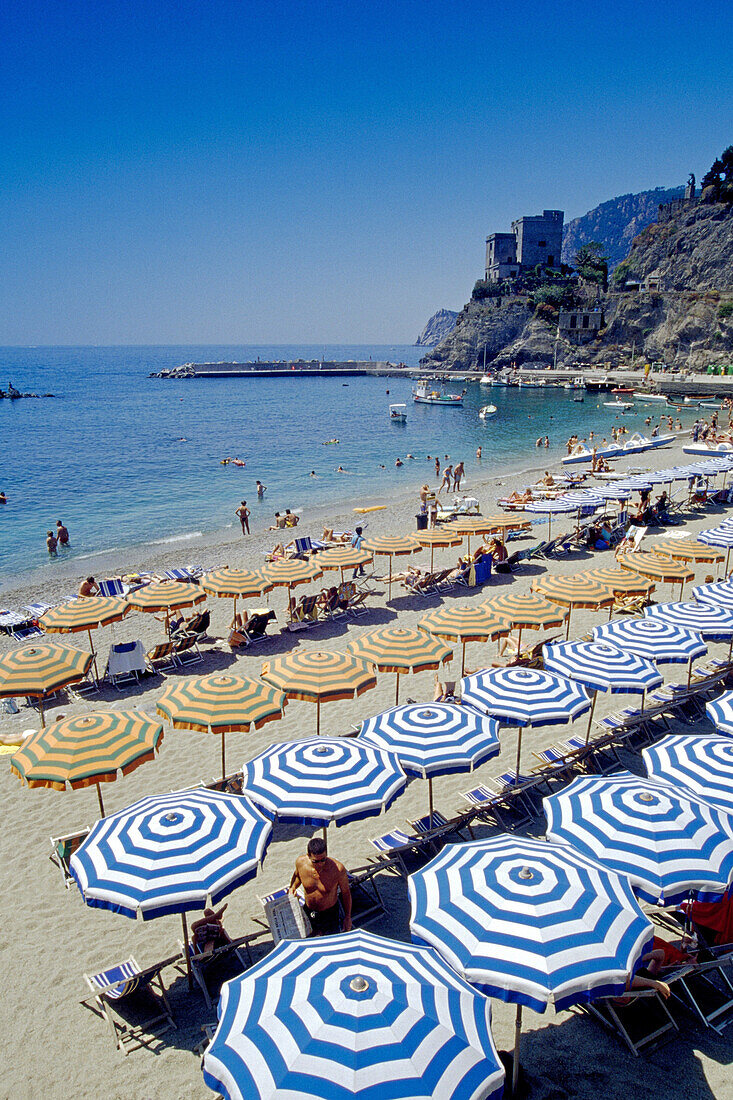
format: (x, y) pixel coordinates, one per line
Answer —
(208, 932)
(322, 878)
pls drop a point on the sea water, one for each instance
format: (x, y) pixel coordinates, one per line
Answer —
(123, 459)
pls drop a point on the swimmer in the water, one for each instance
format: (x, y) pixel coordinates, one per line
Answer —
(399, 462)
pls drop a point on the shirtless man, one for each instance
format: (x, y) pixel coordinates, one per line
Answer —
(89, 587)
(62, 534)
(243, 513)
(322, 878)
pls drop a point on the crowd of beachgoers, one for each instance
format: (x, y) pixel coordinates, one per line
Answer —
(53, 938)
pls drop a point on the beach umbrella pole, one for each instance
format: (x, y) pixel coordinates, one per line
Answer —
(515, 1059)
(101, 804)
(40, 711)
(318, 717)
(463, 658)
(223, 756)
(570, 615)
(430, 801)
(94, 655)
(519, 750)
(390, 578)
(590, 716)
(397, 689)
(187, 950)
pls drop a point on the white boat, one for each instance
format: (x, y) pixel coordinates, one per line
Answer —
(640, 395)
(398, 414)
(638, 442)
(711, 405)
(618, 405)
(487, 411)
(718, 449)
(531, 383)
(485, 380)
(581, 453)
(424, 394)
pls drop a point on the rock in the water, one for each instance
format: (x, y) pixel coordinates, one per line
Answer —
(439, 325)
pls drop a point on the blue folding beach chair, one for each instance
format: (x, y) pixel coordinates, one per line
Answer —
(111, 987)
(113, 587)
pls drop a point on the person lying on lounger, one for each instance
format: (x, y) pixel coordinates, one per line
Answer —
(208, 932)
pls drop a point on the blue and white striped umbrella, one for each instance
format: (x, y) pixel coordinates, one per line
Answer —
(354, 1015)
(721, 536)
(600, 666)
(172, 853)
(720, 712)
(613, 491)
(652, 638)
(585, 498)
(525, 697)
(434, 739)
(702, 764)
(320, 780)
(665, 838)
(720, 593)
(550, 508)
(705, 619)
(529, 922)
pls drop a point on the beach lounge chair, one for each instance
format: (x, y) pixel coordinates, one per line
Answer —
(641, 1019)
(63, 848)
(230, 784)
(256, 628)
(180, 575)
(305, 613)
(127, 982)
(202, 964)
(632, 540)
(126, 662)
(161, 657)
(504, 807)
(112, 587)
(186, 650)
(285, 916)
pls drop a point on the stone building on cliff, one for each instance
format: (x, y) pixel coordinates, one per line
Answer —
(535, 239)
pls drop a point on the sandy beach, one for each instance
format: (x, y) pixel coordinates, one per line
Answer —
(55, 1047)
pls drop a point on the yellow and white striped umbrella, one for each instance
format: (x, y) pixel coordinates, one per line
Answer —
(622, 582)
(527, 610)
(165, 596)
(439, 536)
(397, 649)
(392, 546)
(343, 557)
(686, 550)
(572, 592)
(234, 584)
(220, 704)
(87, 613)
(464, 623)
(87, 749)
(319, 676)
(36, 670)
(657, 567)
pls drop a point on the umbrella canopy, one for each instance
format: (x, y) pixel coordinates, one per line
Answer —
(720, 593)
(719, 536)
(529, 922)
(655, 639)
(397, 649)
(527, 610)
(171, 853)
(600, 666)
(463, 623)
(572, 592)
(439, 536)
(686, 550)
(615, 490)
(585, 498)
(319, 677)
(665, 838)
(36, 670)
(656, 567)
(290, 572)
(621, 582)
(220, 703)
(166, 596)
(525, 697)
(320, 780)
(234, 584)
(551, 508)
(707, 620)
(343, 557)
(434, 739)
(86, 613)
(87, 750)
(392, 546)
(378, 1017)
(720, 712)
(703, 765)
(466, 526)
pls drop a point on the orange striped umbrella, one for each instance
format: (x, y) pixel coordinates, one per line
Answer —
(440, 536)
(572, 592)
(343, 557)
(656, 567)
(87, 613)
(485, 525)
(393, 546)
(527, 610)
(87, 750)
(464, 623)
(397, 649)
(220, 704)
(622, 582)
(686, 550)
(165, 596)
(234, 584)
(319, 677)
(36, 670)
(290, 572)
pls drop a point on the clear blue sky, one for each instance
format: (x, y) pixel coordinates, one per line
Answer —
(321, 171)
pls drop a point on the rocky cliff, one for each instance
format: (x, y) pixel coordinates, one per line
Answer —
(681, 313)
(615, 223)
(439, 325)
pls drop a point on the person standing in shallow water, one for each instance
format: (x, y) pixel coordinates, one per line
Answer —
(62, 535)
(243, 513)
(51, 544)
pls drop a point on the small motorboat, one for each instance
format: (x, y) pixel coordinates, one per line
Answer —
(711, 405)
(486, 412)
(423, 394)
(618, 405)
(647, 398)
(622, 389)
(485, 380)
(398, 414)
(579, 398)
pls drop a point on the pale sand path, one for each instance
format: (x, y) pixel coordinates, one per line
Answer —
(55, 1048)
